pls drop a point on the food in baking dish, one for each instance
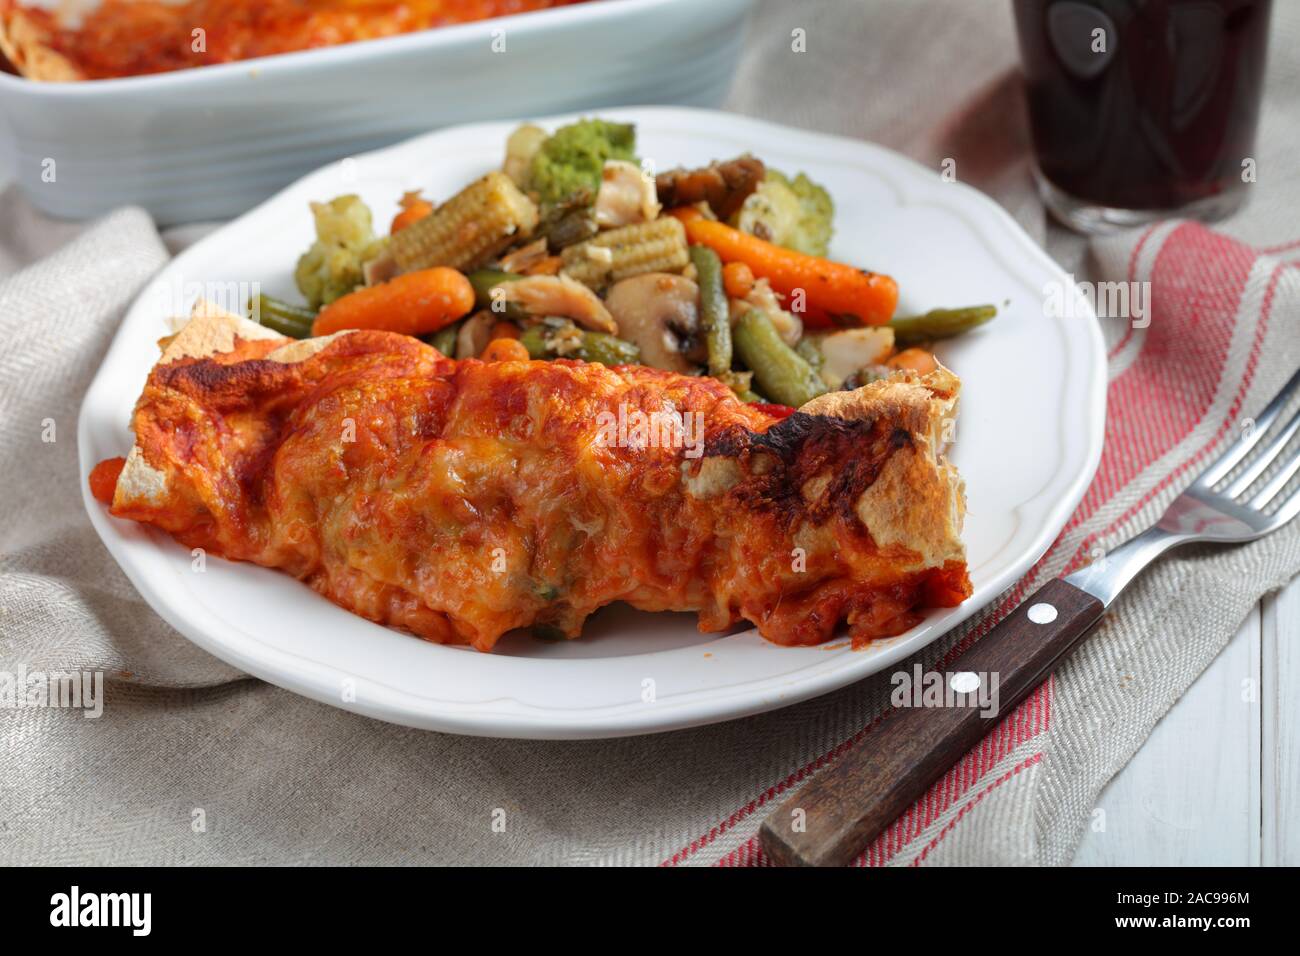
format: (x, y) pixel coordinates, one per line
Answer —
(117, 38)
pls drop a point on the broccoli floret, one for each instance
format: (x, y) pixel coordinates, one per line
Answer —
(572, 158)
(795, 213)
(345, 239)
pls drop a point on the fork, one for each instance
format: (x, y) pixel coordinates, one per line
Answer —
(830, 820)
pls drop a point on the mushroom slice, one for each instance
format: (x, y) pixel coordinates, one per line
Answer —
(559, 295)
(659, 313)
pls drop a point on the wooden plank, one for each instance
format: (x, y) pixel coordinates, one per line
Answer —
(1191, 795)
(1280, 731)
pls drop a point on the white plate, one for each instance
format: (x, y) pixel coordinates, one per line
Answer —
(1029, 439)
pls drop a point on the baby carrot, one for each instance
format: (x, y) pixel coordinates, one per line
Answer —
(738, 279)
(414, 208)
(506, 350)
(918, 360)
(415, 303)
(828, 292)
(103, 479)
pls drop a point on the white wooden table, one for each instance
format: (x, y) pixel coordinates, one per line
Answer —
(1218, 782)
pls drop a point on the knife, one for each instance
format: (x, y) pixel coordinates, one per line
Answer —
(1238, 498)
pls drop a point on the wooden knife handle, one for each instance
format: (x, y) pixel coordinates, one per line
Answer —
(830, 820)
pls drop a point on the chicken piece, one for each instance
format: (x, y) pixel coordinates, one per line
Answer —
(560, 295)
(460, 500)
(724, 186)
(626, 195)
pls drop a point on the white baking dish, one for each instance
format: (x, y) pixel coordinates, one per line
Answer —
(209, 143)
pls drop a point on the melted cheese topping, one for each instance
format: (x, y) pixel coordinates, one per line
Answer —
(460, 500)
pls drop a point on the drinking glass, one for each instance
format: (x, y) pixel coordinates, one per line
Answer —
(1142, 109)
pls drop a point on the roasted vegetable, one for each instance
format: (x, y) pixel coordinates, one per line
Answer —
(795, 213)
(807, 347)
(487, 295)
(521, 146)
(414, 208)
(738, 279)
(416, 303)
(788, 325)
(832, 293)
(840, 354)
(715, 320)
(506, 350)
(569, 221)
(444, 340)
(559, 338)
(284, 318)
(658, 246)
(467, 230)
(779, 371)
(724, 186)
(917, 360)
(573, 157)
(345, 239)
(659, 313)
(939, 323)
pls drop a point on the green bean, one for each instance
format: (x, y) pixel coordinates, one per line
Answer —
(607, 349)
(939, 324)
(599, 347)
(739, 383)
(714, 318)
(283, 317)
(807, 347)
(534, 339)
(444, 340)
(780, 372)
(486, 280)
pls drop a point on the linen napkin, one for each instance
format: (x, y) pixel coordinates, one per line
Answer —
(192, 762)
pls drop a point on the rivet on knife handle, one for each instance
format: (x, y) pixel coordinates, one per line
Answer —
(834, 817)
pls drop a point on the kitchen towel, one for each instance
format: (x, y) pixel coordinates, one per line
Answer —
(193, 762)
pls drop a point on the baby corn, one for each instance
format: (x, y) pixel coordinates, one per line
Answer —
(658, 246)
(467, 230)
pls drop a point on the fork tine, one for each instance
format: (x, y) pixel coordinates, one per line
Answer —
(1242, 446)
(1264, 458)
(1289, 509)
(1278, 481)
